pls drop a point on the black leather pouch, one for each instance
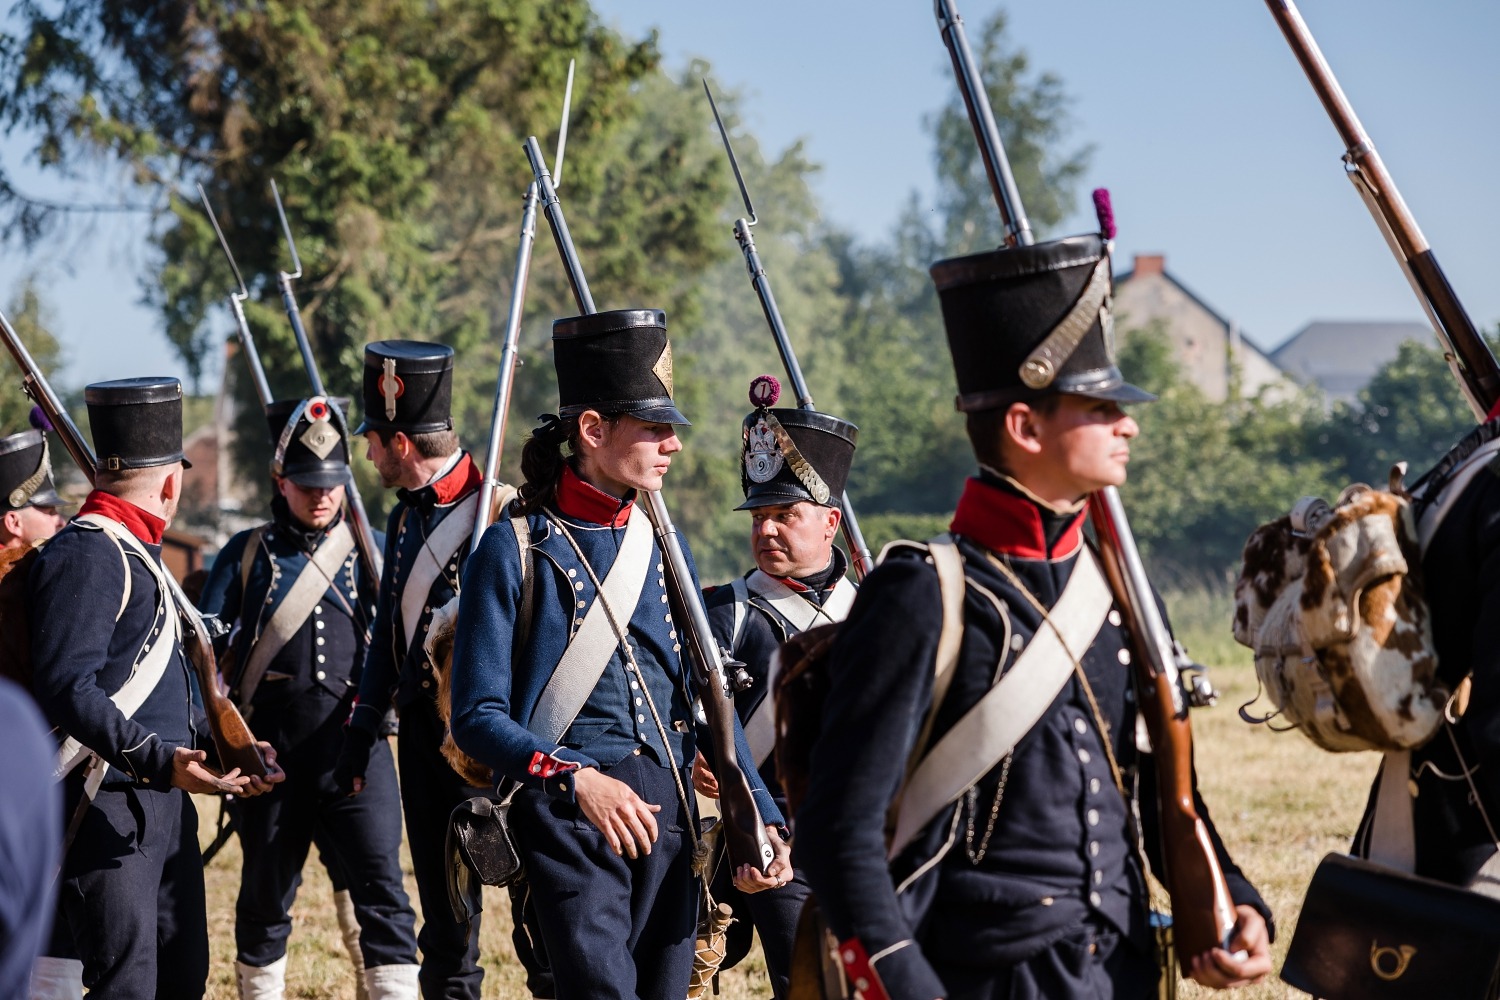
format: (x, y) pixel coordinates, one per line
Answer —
(1368, 932)
(480, 852)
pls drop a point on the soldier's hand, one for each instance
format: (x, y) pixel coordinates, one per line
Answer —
(191, 774)
(627, 821)
(703, 779)
(274, 774)
(354, 760)
(748, 878)
(1246, 961)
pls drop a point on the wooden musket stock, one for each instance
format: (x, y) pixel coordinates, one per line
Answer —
(232, 737)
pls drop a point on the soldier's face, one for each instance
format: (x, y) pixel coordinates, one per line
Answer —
(30, 525)
(1082, 446)
(626, 453)
(794, 539)
(313, 506)
(385, 459)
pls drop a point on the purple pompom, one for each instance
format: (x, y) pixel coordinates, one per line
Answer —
(1105, 211)
(39, 419)
(765, 390)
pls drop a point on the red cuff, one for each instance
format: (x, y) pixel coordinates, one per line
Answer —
(859, 973)
(545, 766)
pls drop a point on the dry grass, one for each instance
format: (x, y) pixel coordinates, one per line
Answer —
(1279, 802)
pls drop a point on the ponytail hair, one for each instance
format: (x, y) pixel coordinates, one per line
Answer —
(542, 460)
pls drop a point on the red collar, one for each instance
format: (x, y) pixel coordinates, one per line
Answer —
(461, 480)
(1009, 524)
(585, 502)
(142, 524)
(1494, 411)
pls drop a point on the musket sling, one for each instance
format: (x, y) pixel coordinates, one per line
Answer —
(454, 530)
(1008, 711)
(802, 614)
(306, 591)
(595, 642)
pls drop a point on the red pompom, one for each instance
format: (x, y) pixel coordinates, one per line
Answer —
(765, 390)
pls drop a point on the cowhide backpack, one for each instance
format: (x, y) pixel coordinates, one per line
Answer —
(1330, 600)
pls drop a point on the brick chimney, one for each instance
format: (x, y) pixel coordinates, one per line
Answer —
(1147, 264)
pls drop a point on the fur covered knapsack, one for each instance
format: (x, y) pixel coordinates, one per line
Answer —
(1330, 600)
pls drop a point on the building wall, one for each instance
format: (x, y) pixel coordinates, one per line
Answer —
(1201, 341)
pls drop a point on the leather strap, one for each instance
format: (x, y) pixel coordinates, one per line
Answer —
(767, 591)
(595, 642)
(1008, 711)
(153, 659)
(306, 591)
(453, 531)
(1437, 509)
(1393, 834)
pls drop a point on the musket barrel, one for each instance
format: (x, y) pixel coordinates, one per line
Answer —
(559, 224)
(1469, 357)
(986, 131)
(252, 353)
(509, 352)
(304, 345)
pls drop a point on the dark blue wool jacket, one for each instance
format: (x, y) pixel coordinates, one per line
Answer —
(392, 671)
(1060, 852)
(81, 654)
(496, 685)
(322, 661)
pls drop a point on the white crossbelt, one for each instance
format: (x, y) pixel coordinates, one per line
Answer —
(454, 530)
(802, 614)
(1008, 711)
(148, 671)
(306, 591)
(595, 642)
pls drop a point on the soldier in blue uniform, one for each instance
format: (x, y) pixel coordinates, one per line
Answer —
(1028, 882)
(29, 504)
(110, 673)
(408, 426)
(300, 606)
(793, 466)
(568, 676)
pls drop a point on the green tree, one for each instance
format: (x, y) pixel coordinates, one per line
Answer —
(394, 130)
(32, 318)
(1412, 411)
(1203, 474)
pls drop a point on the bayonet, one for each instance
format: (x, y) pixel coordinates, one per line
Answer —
(354, 505)
(854, 539)
(237, 299)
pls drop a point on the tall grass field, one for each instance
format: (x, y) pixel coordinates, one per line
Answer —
(1280, 803)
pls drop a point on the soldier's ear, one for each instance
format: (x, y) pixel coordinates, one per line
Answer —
(1021, 429)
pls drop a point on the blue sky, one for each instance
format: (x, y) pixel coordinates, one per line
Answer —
(1212, 142)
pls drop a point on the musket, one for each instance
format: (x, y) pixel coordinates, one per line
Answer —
(1203, 915)
(370, 555)
(854, 539)
(510, 346)
(232, 738)
(717, 675)
(1464, 349)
